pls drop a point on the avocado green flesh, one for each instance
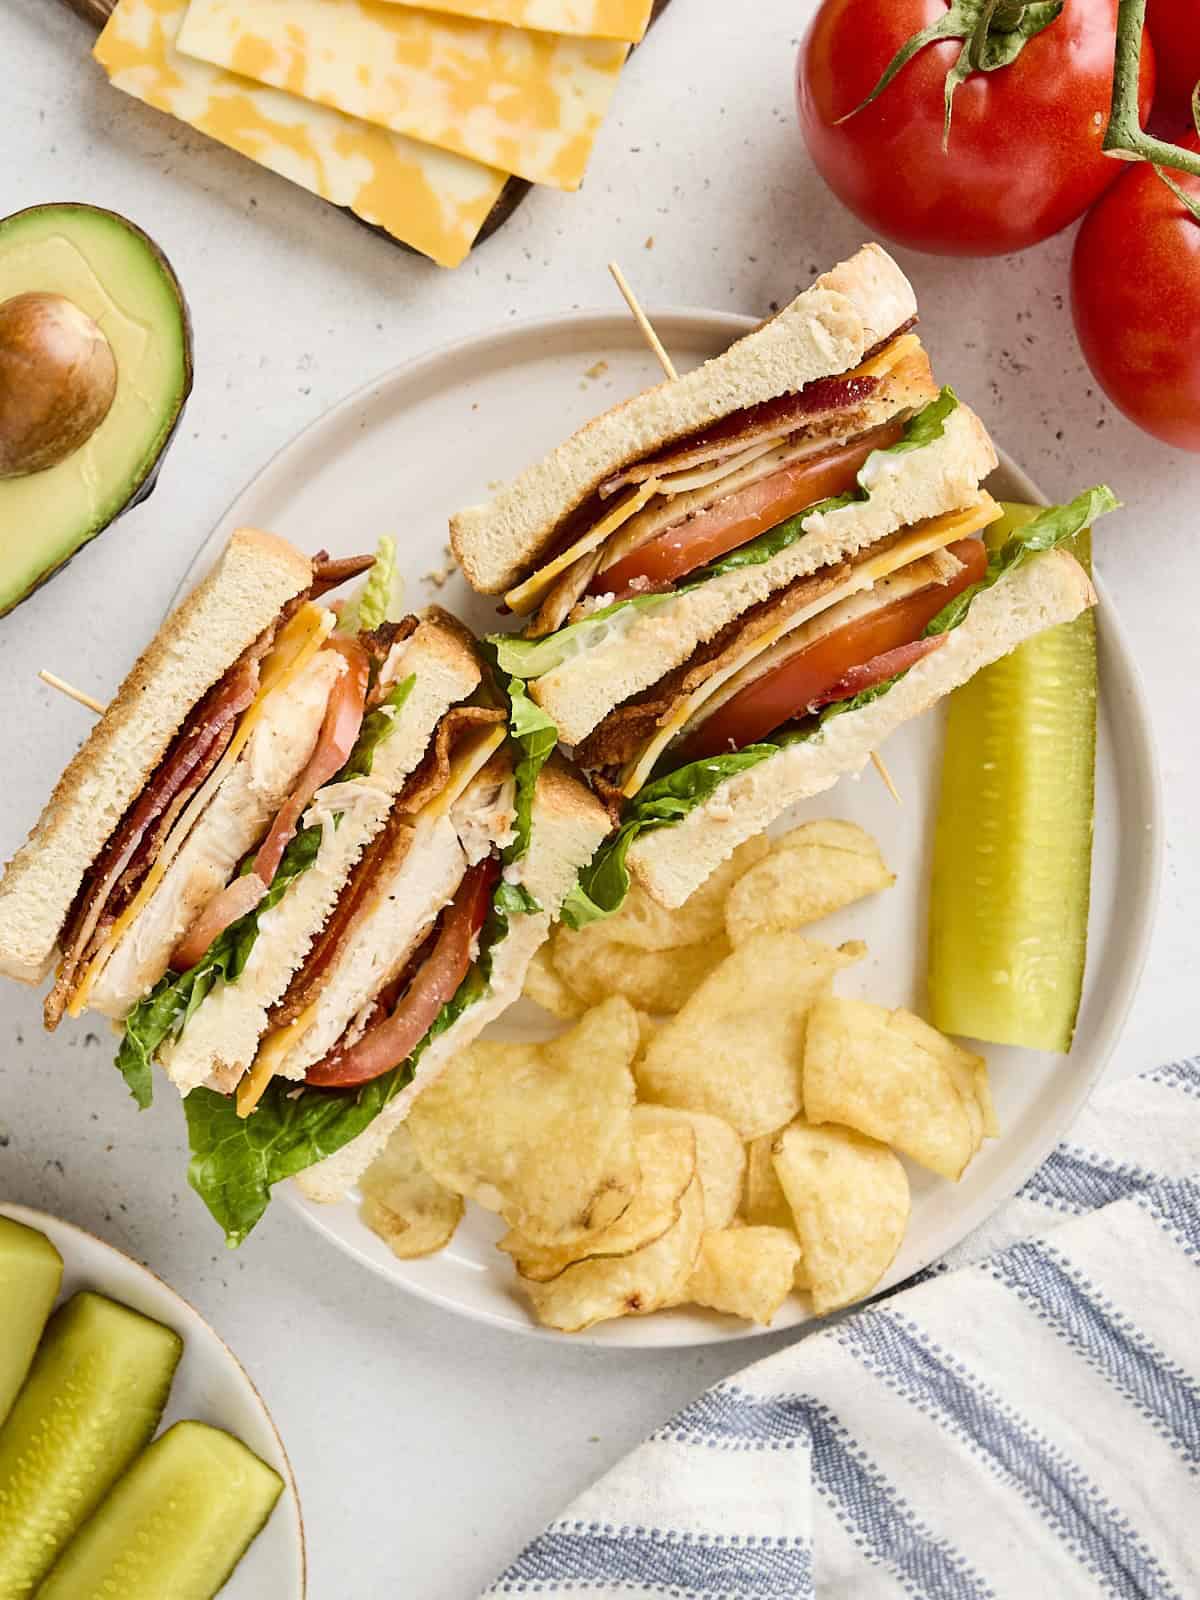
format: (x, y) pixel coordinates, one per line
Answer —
(177, 1524)
(30, 1276)
(111, 270)
(91, 1403)
(1013, 842)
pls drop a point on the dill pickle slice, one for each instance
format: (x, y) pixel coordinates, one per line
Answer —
(91, 1402)
(1013, 842)
(31, 1272)
(176, 1525)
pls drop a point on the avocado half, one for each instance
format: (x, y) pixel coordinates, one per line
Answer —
(117, 277)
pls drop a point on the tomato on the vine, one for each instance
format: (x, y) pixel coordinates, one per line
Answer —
(1023, 157)
(1135, 297)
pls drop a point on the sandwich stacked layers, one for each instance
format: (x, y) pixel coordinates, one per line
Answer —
(301, 861)
(737, 583)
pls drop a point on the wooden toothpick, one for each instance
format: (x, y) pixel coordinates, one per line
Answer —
(881, 768)
(72, 693)
(643, 321)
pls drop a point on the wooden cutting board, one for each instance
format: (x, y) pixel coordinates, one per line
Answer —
(97, 12)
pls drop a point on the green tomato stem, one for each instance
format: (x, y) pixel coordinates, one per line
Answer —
(1125, 138)
(1007, 15)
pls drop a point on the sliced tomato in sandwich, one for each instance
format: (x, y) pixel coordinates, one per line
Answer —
(388, 1043)
(740, 517)
(836, 666)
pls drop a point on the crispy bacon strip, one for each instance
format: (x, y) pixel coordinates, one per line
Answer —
(329, 574)
(787, 413)
(821, 398)
(126, 858)
(379, 644)
(429, 778)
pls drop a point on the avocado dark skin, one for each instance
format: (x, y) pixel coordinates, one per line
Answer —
(89, 402)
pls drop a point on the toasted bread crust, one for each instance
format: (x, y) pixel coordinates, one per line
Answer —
(671, 863)
(824, 331)
(254, 578)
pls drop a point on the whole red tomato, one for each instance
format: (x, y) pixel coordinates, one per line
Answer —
(1024, 152)
(1135, 296)
(1175, 28)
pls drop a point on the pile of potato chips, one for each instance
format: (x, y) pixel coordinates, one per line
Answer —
(716, 1127)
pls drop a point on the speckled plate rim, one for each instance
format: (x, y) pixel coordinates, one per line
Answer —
(75, 1244)
(1121, 686)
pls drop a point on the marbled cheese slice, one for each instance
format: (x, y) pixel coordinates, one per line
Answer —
(433, 200)
(529, 103)
(593, 19)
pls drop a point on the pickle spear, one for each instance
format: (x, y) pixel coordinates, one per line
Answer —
(1013, 843)
(31, 1271)
(91, 1403)
(176, 1524)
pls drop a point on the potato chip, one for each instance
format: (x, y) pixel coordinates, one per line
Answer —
(622, 1286)
(849, 1200)
(546, 989)
(735, 1049)
(666, 1155)
(747, 1272)
(764, 1203)
(892, 1076)
(409, 1210)
(720, 1158)
(542, 1133)
(644, 924)
(595, 967)
(816, 869)
(648, 1027)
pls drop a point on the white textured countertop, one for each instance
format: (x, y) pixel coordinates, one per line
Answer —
(427, 1448)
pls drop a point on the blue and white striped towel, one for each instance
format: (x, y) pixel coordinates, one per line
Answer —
(1021, 1424)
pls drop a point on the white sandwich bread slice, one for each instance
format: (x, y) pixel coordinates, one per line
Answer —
(243, 594)
(672, 862)
(568, 826)
(221, 1038)
(825, 331)
(637, 646)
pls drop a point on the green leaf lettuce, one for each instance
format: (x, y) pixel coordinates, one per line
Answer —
(237, 1160)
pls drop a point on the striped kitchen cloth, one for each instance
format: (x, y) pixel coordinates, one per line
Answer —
(1021, 1423)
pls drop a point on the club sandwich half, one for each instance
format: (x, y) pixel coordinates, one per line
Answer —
(736, 584)
(304, 856)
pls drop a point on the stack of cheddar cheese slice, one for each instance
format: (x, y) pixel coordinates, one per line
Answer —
(415, 118)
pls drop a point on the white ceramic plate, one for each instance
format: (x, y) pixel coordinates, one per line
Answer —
(399, 456)
(210, 1385)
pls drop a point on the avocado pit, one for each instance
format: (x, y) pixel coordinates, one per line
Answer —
(58, 379)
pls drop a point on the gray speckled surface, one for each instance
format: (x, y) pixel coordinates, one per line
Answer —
(428, 1448)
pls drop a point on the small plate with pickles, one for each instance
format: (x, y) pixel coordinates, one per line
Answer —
(136, 1455)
